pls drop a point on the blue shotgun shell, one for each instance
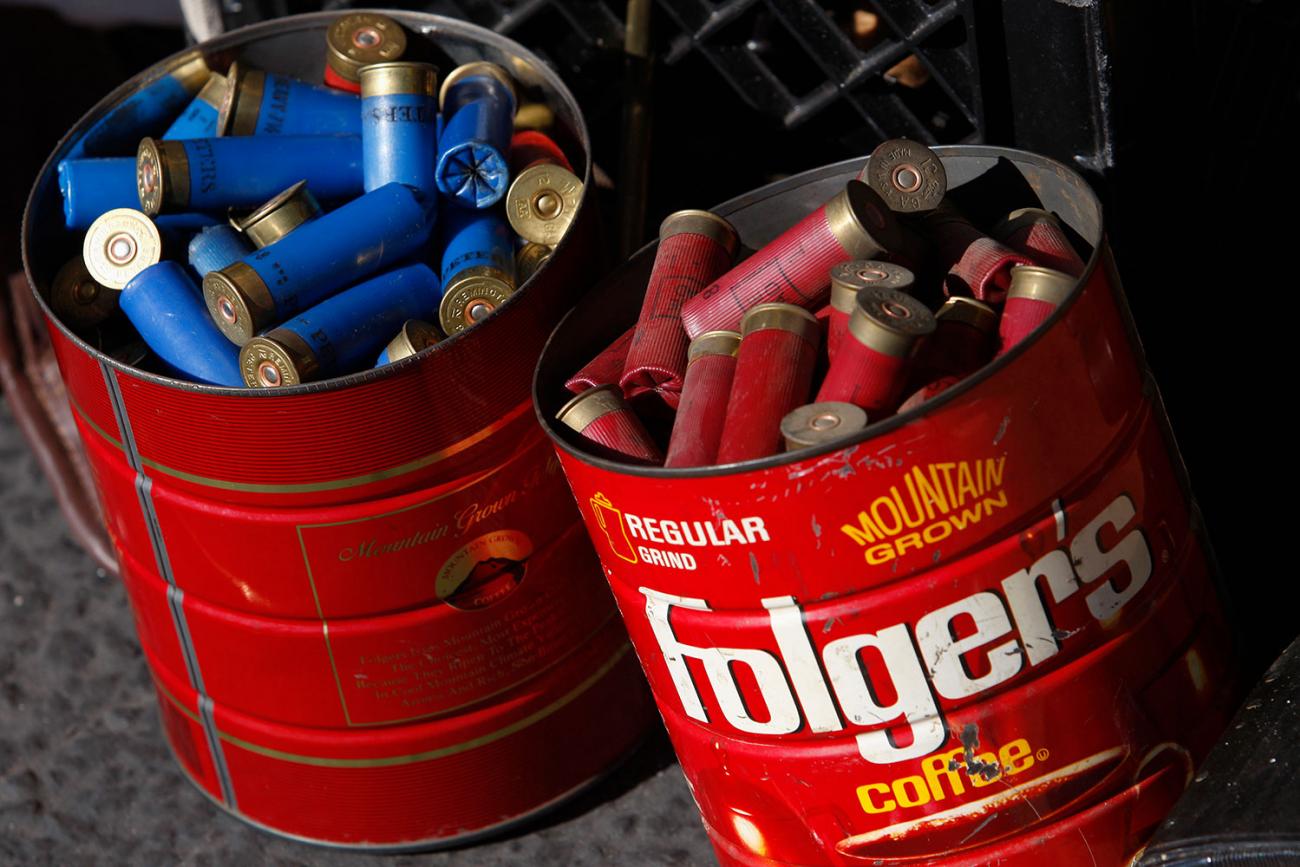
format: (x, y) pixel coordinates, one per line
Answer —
(478, 266)
(416, 334)
(205, 174)
(199, 120)
(478, 108)
(165, 305)
(399, 136)
(216, 247)
(316, 260)
(93, 187)
(263, 103)
(148, 111)
(341, 334)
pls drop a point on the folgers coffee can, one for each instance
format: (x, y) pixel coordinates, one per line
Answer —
(372, 617)
(983, 631)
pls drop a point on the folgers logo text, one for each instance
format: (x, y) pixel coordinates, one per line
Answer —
(623, 531)
(916, 663)
(929, 504)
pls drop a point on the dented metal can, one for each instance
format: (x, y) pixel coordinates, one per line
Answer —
(984, 631)
(371, 617)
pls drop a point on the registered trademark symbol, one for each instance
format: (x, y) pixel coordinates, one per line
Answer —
(1042, 755)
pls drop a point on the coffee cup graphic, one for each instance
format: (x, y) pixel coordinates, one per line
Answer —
(610, 520)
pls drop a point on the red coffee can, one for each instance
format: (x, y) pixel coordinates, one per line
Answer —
(774, 366)
(603, 417)
(847, 278)
(697, 430)
(870, 369)
(1034, 295)
(695, 247)
(982, 632)
(339, 587)
(795, 267)
(1038, 233)
(977, 264)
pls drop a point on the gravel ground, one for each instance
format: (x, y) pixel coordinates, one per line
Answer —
(85, 777)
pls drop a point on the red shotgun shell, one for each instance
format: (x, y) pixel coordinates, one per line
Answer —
(697, 430)
(871, 364)
(695, 248)
(927, 391)
(605, 368)
(977, 264)
(1038, 233)
(847, 278)
(908, 176)
(1034, 295)
(359, 39)
(544, 192)
(816, 424)
(774, 368)
(602, 417)
(963, 341)
(795, 268)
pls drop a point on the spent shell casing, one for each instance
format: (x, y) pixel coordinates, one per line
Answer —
(416, 335)
(963, 341)
(215, 247)
(908, 176)
(478, 109)
(356, 40)
(610, 427)
(1034, 295)
(847, 279)
(92, 187)
(148, 110)
(399, 131)
(870, 368)
(977, 265)
(78, 299)
(261, 103)
(278, 217)
(544, 194)
(815, 424)
(774, 367)
(166, 307)
(342, 333)
(706, 387)
(606, 368)
(213, 174)
(316, 260)
(477, 266)
(199, 120)
(795, 267)
(1038, 234)
(927, 391)
(695, 248)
